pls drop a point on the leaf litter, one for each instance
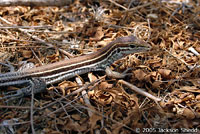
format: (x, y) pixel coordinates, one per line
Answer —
(170, 71)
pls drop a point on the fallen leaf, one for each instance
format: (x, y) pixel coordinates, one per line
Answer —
(139, 74)
(98, 35)
(27, 53)
(92, 77)
(189, 114)
(165, 73)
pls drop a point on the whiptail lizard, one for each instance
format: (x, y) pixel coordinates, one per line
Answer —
(38, 78)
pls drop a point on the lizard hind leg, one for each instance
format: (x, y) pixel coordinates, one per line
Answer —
(9, 65)
(38, 85)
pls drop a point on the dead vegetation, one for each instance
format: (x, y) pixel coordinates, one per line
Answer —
(94, 103)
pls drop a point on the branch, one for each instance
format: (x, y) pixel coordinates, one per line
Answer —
(35, 2)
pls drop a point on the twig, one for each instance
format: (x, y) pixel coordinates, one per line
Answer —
(75, 92)
(115, 3)
(31, 114)
(138, 7)
(144, 103)
(140, 91)
(16, 107)
(36, 57)
(36, 38)
(96, 83)
(116, 75)
(107, 118)
(149, 35)
(87, 102)
(178, 58)
(28, 27)
(191, 49)
(14, 124)
(182, 76)
(36, 3)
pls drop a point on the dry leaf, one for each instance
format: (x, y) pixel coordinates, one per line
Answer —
(156, 62)
(92, 77)
(75, 126)
(76, 117)
(198, 48)
(198, 97)
(139, 74)
(165, 73)
(197, 110)
(65, 85)
(98, 35)
(54, 57)
(103, 97)
(157, 84)
(189, 89)
(105, 85)
(26, 53)
(93, 120)
(189, 114)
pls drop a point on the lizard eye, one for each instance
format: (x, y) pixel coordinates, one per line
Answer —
(132, 46)
(118, 50)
